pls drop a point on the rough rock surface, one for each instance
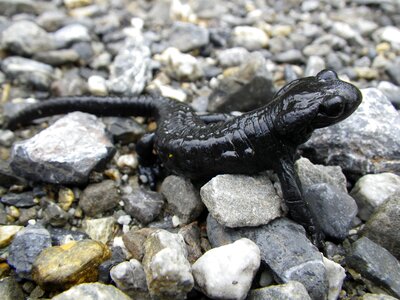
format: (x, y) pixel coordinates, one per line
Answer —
(92, 291)
(293, 290)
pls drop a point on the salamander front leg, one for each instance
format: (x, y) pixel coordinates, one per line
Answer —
(298, 207)
(149, 165)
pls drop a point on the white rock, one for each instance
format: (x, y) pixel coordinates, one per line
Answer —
(71, 34)
(97, 85)
(127, 160)
(100, 229)
(293, 290)
(390, 34)
(129, 276)
(336, 275)
(226, 272)
(372, 190)
(251, 38)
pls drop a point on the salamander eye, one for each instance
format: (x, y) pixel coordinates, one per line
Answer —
(332, 107)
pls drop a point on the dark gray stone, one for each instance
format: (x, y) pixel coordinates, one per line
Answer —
(143, 205)
(383, 226)
(58, 57)
(366, 142)
(70, 34)
(26, 199)
(55, 215)
(376, 264)
(64, 153)
(191, 235)
(60, 236)
(7, 176)
(391, 91)
(25, 247)
(99, 197)
(248, 88)
(188, 36)
(290, 56)
(124, 130)
(393, 71)
(117, 256)
(12, 7)
(10, 289)
(333, 209)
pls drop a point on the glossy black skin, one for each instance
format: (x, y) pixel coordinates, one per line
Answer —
(201, 147)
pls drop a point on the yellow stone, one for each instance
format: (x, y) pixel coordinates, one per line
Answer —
(61, 267)
(4, 269)
(65, 198)
(7, 233)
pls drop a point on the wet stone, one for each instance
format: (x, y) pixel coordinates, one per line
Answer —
(227, 272)
(61, 267)
(182, 197)
(26, 199)
(143, 205)
(92, 291)
(188, 36)
(60, 154)
(376, 264)
(10, 289)
(292, 290)
(27, 244)
(118, 256)
(99, 198)
(240, 200)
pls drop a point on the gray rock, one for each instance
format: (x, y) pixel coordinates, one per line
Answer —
(391, 91)
(250, 38)
(26, 38)
(240, 200)
(130, 71)
(64, 153)
(192, 237)
(124, 130)
(58, 57)
(333, 209)
(366, 142)
(26, 199)
(314, 65)
(9, 288)
(383, 226)
(7, 137)
(315, 49)
(336, 275)
(143, 205)
(60, 236)
(168, 273)
(232, 57)
(28, 72)
(100, 197)
(101, 229)
(7, 176)
(55, 215)
(293, 290)
(182, 197)
(291, 56)
(371, 190)
(393, 71)
(248, 88)
(70, 34)
(188, 36)
(51, 20)
(92, 291)
(25, 247)
(134, 241)
(130, 278)
(377, 297)
(376, 264)
(227, 272)
(12, 7)
(311, 174)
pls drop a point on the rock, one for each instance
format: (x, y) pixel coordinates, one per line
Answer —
(25, 38)
(134, 241)
(118, 255)
(247, 87)
(28, 72)
(391, 91)
(9, 288)
(371, 190)
(389, 34)
(26, 199)
(250, 38)
(333, 209)
(62, 160)
(27, 244)
(130, 278)
(241, 200)
(182, 197)
(27, 214)
(232, 57)
(191, 235)
(7, 137)
(8, 177)
(188, 36)
(12, 7)
(58, 57)
(51, 20)
(394, 72)
(92, 291)
(315, 64)
(98, 198)
(97, 85)
(348, 32)
(336, 275)
(130, 70)
(61, 267)
(54, 215)
(65, 198)
(377, 297)
(383, 225)
(72, 33)
(227, 272)
(124, 130)
(375, 126)
(7, 233)
(143, 205)
(291, 56)
(310, 174)
(376, 264)
(292, 290)
(60, 236)
(127, 161)
(101, 229)
(168, 272)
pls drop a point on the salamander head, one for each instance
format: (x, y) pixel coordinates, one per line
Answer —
(313, 102)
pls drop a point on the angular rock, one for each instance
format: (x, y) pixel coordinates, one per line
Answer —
(61, 267)
(28, 72)
(26, 199)
(376, 264)
(92, 291)
(60, 236)
(240, 200)
(168, 272)
(8, 177)
(124, 130)
(188, 36)
(371, 190)
(64, 153)
(250, 38)
(55, 215)
(7, 233)
(27, 244)
(232, 57)
(383, 226)
(101, 229)
(227, 272)
(336, 275)
(366, 142)
(293, 290)
(333, 209)
(192, 237)
(143, 205)
(182, 197)
(118, 255)
(247, 87)
(98, 198)
(130, 278)
(134, 241)
(10, 289)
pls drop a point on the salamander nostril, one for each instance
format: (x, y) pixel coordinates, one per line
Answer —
(332, 107)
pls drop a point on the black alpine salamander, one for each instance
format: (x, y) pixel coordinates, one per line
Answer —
(203, 146)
